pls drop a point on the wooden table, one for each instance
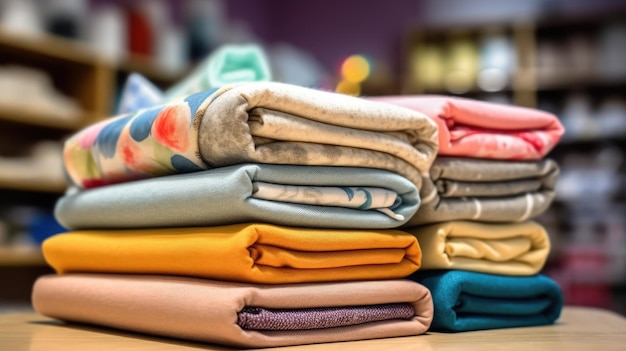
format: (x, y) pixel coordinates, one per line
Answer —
(578, 329)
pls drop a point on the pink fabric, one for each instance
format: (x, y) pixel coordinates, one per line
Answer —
(478, 129)
(207, 310)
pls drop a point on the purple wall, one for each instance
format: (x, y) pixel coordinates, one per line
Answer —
(331, 29)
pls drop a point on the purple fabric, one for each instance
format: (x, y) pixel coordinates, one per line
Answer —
(257, 318)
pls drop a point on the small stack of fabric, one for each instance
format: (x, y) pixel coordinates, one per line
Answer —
(254, 215)
(482, 251)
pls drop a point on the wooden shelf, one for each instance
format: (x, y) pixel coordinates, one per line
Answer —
(36, 185)
(34, 115)
(21, 256)
(51, 47)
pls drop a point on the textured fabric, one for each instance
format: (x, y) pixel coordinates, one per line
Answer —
(204, 310)
(472, 301)
(259, 253)
(197, 199)
(480, 129)
(485, 190)
(257, 318)
(506, 249)
(260, 122)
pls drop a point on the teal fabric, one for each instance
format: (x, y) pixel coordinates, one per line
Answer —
(467, 301)
(222, 196)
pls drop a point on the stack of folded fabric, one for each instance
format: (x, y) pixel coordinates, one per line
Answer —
(482, 253)
(254, 215)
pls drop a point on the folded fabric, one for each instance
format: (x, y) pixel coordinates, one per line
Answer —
(482, 129)
(260, 122)
(227, 313)
(230, 63)
(304, 196)
(138, 93)
(506, 249)
(473, 301)
(259, 253)
(485, 190)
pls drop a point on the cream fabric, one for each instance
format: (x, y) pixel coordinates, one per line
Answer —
(506, 249)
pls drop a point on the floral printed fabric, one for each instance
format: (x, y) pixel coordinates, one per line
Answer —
(152, 142)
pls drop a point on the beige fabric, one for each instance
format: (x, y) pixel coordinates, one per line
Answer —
(269, 122)
(205, 310)
(506, 249)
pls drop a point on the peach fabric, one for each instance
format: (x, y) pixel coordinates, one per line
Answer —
(206, 311)
(480, 129)
(259, 253)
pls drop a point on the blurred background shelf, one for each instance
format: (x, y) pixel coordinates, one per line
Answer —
(21, 256)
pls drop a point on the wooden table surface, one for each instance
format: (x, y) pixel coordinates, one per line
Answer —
(578, 329)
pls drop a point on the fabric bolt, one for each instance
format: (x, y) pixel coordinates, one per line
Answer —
(507, 249)
(138, 93)
(467, 301)
(207, 311)
(256, 318)
(258, 253)
(230, 63)
(258, 122)
(485, 190)
(480, 129)
(199, 198)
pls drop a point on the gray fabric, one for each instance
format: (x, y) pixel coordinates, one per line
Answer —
(485, 190)
(222, 196)
(268, 122)
(257, 318)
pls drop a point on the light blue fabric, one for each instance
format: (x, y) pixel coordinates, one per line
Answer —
(466, 300)
(222, 196)
(138, 93)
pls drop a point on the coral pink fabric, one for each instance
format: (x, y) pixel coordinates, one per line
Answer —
(480, 129)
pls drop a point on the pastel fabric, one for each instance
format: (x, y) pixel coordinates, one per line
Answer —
(479, 129)
(206, 311)
(138, 93)
(485, 190)
(259, 122)
(516, 249)
(254, 253)
(467, 301)
(199, 198)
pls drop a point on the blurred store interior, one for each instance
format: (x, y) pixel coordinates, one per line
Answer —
(63, 63)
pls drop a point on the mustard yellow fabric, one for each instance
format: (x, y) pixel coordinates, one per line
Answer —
(259, 253)
(505, 249)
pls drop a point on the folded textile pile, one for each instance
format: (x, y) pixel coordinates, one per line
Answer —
(490, 179)
(254, 215)
(259, 122)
